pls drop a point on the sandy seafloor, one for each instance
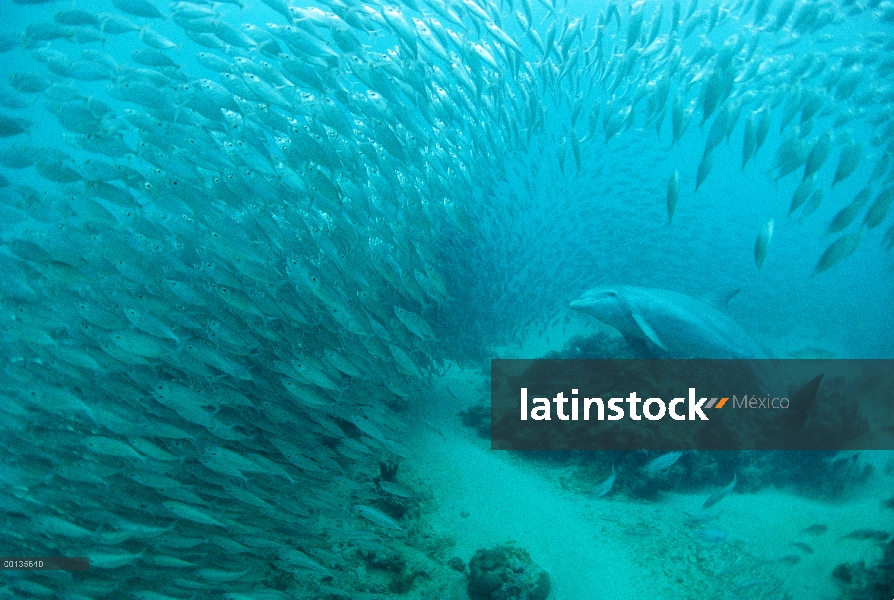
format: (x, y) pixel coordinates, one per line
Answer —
(619, 548)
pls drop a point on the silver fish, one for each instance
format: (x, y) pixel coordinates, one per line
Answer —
(762, 244)
(721, 493)
(606, 486)
(379, 518)
(662, 462)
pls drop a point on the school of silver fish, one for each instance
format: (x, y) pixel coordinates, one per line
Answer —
(221, 285)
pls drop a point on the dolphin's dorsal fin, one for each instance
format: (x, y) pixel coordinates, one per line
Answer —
(719, 298)
(648, 331)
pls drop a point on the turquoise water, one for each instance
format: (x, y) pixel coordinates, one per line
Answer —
(257, 257)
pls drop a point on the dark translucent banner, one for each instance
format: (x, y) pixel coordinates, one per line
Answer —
(44, 563)
(692, 404)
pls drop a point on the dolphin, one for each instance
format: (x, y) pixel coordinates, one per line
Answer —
(667, 324)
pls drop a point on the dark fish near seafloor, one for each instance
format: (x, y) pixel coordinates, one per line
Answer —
(874, 535)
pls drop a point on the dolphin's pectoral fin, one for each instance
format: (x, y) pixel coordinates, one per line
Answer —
(648, 331)
(720, 298)
(641, 348)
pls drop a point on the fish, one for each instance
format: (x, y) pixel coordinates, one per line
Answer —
(762, 244)
(749, 139)
(839, 250)
(847, 214)
(873, 535)
(605, 487)
(803, 547)
(111, 447)
(13, 126)
(721, 493)
(673, 195)
(704, 168)
(662, 462)
(812, 204)
(816, 529)
(818, 154)
(191, 513)
(669, 324)
(415, 323)
(138, 8)
(389, 487)
(300, 560)
(802, 193)
(880, 208)
(379, 518)
(848, 162)
(112, 560)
